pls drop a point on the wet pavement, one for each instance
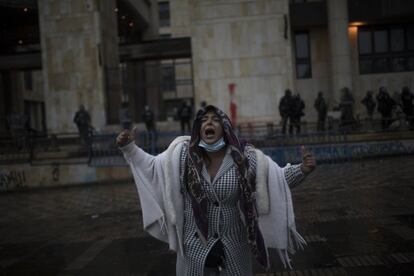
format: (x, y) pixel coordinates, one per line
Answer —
(358, 219)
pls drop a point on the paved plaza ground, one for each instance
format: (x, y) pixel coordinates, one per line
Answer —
(357, 217)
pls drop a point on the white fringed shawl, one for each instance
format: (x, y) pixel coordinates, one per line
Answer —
(158, 183)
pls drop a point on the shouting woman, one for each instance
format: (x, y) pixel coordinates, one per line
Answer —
(215, 200)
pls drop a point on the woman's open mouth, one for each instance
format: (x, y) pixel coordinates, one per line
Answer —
(209, 132)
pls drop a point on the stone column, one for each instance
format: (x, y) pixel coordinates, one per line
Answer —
(3, 103)
(110, 59)
(79, 50)
(340, 46)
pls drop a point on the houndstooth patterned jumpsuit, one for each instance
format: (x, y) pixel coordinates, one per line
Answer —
(224, 219)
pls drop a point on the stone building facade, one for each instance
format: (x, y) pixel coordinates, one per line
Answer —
(255, 45)
(160, 52)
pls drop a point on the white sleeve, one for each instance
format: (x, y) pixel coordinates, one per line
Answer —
(149, 180)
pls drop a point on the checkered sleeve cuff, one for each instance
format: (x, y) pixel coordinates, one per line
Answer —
(293, 175)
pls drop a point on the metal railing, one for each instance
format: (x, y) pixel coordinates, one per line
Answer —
(105, 152)
(265, 130)
(101, 150)
(27, 147)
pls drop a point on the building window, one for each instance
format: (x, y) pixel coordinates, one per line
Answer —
(164, 14)
(385, 49)
(397, 39)
(172, 80)
(167, 77)
(34, 113)
(28, 80)
(302, 55)
(365, 43)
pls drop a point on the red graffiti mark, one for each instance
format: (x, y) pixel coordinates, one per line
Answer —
(233, 105)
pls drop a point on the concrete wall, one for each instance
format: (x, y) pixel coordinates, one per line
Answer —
(17, 177)
(241, 42)
(340, 152)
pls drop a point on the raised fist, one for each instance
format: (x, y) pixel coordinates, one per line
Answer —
(126, 137)
(308, 161)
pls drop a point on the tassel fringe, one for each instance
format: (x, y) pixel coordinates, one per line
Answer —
(295, 242)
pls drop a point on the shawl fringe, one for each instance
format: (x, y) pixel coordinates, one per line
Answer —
(296, 242)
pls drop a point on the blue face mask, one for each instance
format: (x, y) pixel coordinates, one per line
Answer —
(212, 147)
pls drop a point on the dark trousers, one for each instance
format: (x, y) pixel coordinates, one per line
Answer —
(284, 123)
(294, 124)
(84, 135)
(409, 113)
(386, 120)
(321, 123)
(184, 123)
(150, 126)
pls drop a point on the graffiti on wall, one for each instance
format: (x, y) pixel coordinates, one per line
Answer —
(12, 179)
(341, 151)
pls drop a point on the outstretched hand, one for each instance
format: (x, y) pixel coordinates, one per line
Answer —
(308, 161)
(126, 137)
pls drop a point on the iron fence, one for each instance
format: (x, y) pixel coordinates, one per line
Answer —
(362, 139)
